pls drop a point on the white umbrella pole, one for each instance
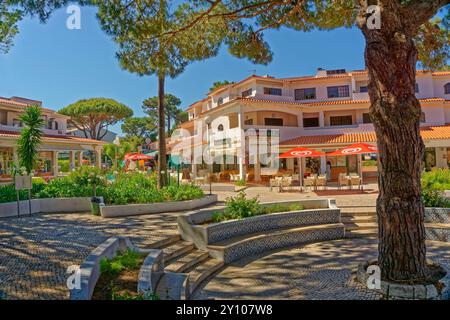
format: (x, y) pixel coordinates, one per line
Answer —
(301, 173)
(360, 170)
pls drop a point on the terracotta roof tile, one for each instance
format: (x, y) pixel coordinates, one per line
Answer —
(55, 138)
(427, 133)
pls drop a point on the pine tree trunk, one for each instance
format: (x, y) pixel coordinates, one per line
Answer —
(391, 57)
(162, 161)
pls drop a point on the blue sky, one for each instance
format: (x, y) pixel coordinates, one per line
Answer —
(59, 66)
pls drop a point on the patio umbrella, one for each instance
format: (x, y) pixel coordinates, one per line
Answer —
(137, 156)
(301, 153)
(358, 149)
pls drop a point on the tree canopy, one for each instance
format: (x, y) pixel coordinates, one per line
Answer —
(219, 84)
(171, 107)
(94, 116)
(139, 126)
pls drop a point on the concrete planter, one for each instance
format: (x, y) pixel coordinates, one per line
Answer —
(90, 268)
(46, 205)
(406, 291)
(192, 227)
(159, 207)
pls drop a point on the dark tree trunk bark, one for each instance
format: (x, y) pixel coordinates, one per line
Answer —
(162, 161)
(391, 57)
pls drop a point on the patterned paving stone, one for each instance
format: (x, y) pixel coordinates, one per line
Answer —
(318, 271)
(36, 251)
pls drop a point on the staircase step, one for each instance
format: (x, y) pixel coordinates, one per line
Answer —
(361, 233)
(361, 226)
(172, 286)
(203, 271)
(358, 219)
(177, 249)
(358, 214)
(164, 241)
(185, 263)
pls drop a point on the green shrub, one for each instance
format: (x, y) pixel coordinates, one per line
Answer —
(240, 207)
(64, 165)
(437, 179)
(434, 198)
(8, 192)
(64, 188)
(128, 260)
(240, 183)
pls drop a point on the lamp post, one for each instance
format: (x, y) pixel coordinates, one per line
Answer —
(116, 142)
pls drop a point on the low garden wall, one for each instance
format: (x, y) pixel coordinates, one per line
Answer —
(158, 207)
(46, 205)
(192, 227)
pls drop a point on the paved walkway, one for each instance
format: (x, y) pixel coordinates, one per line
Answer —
(36, 251)
(318, 271)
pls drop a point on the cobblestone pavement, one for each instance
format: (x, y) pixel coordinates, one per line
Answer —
(36, 251)
(318, 271)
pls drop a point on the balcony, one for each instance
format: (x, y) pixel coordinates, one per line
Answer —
(44, 130)
(360, 96)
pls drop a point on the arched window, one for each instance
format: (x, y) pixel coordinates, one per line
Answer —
(220, 101)
(220, 127)
(447, 88)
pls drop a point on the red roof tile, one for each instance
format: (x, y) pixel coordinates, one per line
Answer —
(48, 137)
(427, 133)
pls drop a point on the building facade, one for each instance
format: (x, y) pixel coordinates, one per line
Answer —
(56, 141)
(324, 111)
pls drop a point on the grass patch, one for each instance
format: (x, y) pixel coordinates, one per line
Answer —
(119, 277)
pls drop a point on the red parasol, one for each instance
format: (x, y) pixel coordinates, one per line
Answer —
(137, 156)
(301, 153)
(357, 148)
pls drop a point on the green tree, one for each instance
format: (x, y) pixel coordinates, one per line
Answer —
(30, 137)
(171, 108)
(94, 116)
(8, 26)
(133, 26)
(391, 55)
(141, 127)
(117, 153)
(433, 45)
(219, 84)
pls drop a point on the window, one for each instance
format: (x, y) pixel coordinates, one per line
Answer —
(363, 89)
(447, 88)
(273, 122)
(423, 118)
(341, 121)
(17, 123)
(219, 101)
(248, 122)
(305, 94)
(310, 122)
(273, 91)
(220, 127)
(416, 88)
(366, 118)
(246, 93)
(338, 91)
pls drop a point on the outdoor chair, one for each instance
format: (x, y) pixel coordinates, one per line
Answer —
(286, 182)
(321, 181)
(274, 183)
(309, 182)
(343, 180)
(355, 181)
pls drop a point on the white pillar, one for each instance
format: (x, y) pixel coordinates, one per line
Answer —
(15, 157)
(241, 153)
(80, 159)
(321, 119)
(55, 167)
(72, 160)
(323, 164)
(194, 170)
(98, 158)
(290, 163)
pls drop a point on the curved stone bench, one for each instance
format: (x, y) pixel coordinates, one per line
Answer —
(230, 240)
(236, 248)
